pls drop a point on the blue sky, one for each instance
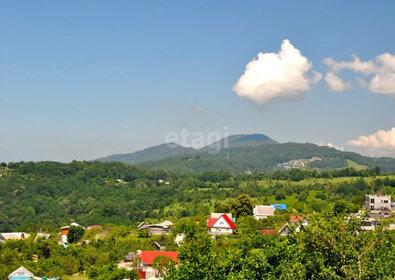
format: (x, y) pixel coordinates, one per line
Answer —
(84, 79)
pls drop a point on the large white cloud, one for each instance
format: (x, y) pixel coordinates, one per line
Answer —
(380, 73)
(379, 139)
(277, 75)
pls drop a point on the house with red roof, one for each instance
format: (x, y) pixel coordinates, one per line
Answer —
(269, 231)
(145, 260)
(220, 223)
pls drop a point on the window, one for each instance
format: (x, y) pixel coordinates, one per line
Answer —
(372, 200)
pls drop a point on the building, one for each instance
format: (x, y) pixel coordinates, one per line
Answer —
(279, 206)
(263, 211)
(269, 231)
(65, 231)
(378, 203)
(21, 274)
(13, 236)
(220, 225)
(145, 261)
(98, 227)
(156, 229)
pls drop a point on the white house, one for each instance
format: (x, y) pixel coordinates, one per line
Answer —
(263, 211)
(221, 225)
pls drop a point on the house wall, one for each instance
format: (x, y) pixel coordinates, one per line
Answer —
(373, 202)
(221, 231)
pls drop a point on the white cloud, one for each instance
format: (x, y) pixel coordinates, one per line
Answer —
(335, 83)
(330, 145)
(276, 75)
(380, 139)
(382, 69)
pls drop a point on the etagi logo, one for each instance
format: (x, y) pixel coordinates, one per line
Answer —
(198, 139)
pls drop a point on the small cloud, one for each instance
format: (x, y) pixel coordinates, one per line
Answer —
(276, 75)
(330, 145)
(382, 68)
(380, 139)
(196, 109)
(334, 83)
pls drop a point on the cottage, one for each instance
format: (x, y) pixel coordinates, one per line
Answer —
(221, 225)
(156, 229)
(21, 274)
(13, 236)
(263, 211)
(145, 260)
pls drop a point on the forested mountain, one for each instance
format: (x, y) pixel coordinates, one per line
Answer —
(267, 158)
(245, 153)
(150, 154)
(172, 150)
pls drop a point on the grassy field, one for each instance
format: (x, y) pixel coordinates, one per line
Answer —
(355, 165)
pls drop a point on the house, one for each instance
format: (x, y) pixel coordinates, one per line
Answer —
(269, 231)
(221, 225)
(42, 235)
(263, 211)
(279, 206)
(145, 260)
(13, 236)
(157, 246)
(156, 229)
(98, 227)
(378, 203)
(21, 274)
(299, 220)
(369, 224)
(65, 231)
(285, 230)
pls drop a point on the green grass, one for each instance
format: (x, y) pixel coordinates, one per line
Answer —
(355, 165)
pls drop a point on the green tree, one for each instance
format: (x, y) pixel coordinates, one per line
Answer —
(75, 234)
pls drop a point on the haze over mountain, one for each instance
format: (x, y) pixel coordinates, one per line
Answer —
(245, 153)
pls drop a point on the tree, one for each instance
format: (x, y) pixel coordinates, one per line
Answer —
(75, 234)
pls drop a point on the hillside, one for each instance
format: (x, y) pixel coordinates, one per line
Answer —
(267, 158)
(164, 151)
(150, 154)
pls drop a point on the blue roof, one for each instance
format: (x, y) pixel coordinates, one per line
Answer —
(280, 206)
(20, 278)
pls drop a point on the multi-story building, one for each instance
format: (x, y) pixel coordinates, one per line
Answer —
(378, 203)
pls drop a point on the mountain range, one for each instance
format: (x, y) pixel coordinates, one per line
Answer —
(248, 153)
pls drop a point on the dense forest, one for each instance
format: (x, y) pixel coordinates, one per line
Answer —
(42, 196)
(50, 194)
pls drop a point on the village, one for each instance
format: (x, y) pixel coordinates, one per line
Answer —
(375, 210)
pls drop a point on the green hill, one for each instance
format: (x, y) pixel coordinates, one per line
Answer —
(267, 158)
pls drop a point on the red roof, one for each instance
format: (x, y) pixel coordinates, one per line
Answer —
(269, 231)
(296, 218)
(147, 257)
(95, 226)
(212, 221)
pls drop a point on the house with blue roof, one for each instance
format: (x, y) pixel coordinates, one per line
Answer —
(279, 206)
